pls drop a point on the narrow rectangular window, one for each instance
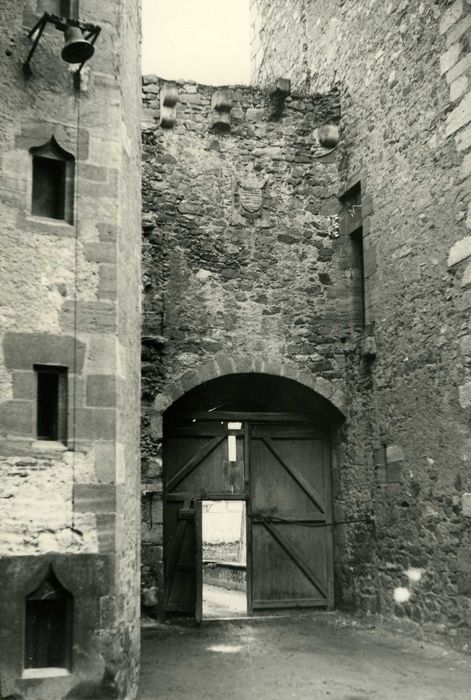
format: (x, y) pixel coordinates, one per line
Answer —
(51, 403)
(359, 271)
(53, 176)
(48, 626)
(49, 177)
(352, 217)
(352, 229)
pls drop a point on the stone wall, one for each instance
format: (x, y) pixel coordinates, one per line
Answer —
(70, 298)
(245, 270)
(402, 70)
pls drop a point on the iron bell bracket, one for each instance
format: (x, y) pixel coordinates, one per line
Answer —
(90, 32)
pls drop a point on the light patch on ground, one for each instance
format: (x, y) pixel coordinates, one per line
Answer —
(401, 595)
(225, 648)
(414, 575)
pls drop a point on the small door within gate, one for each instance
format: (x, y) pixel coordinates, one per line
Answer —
(282, 470)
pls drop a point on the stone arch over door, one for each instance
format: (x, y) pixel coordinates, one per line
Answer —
(283, 471)
(224, 364)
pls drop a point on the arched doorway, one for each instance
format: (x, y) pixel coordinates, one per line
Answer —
(265, 441)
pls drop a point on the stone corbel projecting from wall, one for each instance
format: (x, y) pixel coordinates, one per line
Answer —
(221, 105)
(278, 96)
(326, 140)
(168, 106)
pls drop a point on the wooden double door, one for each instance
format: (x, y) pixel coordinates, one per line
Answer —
(280, 466)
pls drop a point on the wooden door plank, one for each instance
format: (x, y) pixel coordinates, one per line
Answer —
(199, 561)
(173, 559)
(206, 495)
(248, 518)
(304, 432)
(295, 557)
(307, 487)
(291, 518)
(193, 462)
(267, 604)
(259, 416)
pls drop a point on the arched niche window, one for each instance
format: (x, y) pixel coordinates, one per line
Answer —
(48, 626)
(53, 182)
(63, 8)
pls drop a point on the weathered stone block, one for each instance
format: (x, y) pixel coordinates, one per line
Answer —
(460, 251)
(95, 424)
(394, 453)
(451, 15)
(465, 395)
(449, 58)
(465, 345)
(101, 390)
(466, 504)
(460, 116)
(16, 418)
(106, 527)
(105, 462)
(457, 31)
(458, 87)
(95, 173)
(460, 68)
(91, 316)
(23, 350)
(100, 252)
(24, 385)
(102, 355)
(94, 498)
(466, 279)
(465, 169)
(107, 282)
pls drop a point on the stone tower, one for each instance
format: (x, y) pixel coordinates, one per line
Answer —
(402, 70)
(69, 352)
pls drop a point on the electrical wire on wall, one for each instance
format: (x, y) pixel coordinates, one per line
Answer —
(73, 431)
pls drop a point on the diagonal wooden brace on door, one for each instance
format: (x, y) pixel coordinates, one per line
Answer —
(185, 515)
(307, 487)
(193, 462)
(295, 556)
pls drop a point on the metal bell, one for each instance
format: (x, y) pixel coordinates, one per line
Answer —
(76, 49)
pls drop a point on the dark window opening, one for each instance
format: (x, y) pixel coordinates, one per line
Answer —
(351, 209)
(48, 188)
(51, 403)
(359, 288)
(352, 227)
(53, 182)
(48, 626)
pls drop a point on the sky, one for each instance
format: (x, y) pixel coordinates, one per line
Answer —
(202, 40)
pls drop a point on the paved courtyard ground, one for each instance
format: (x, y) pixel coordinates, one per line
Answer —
(221, 603)
(303, 656)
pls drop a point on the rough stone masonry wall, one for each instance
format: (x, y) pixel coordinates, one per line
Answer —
(403, 71)
(70, 297)
(224, 293)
